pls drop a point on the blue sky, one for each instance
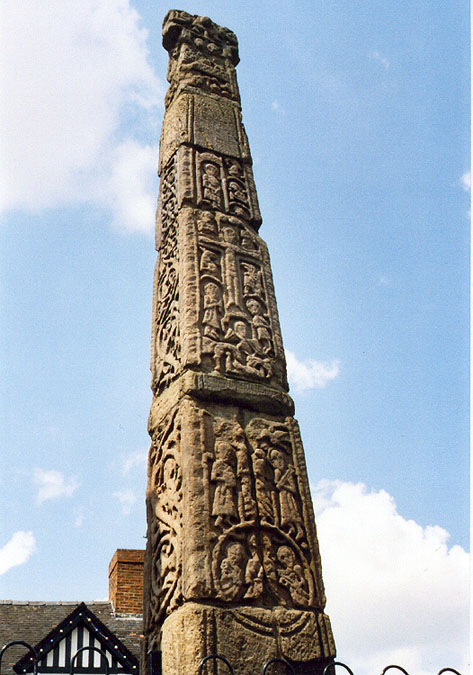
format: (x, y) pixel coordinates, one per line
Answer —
(358, 121)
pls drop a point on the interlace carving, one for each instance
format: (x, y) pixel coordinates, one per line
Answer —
(164, 505)
(166, 333)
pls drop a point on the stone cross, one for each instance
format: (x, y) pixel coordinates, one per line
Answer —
(232, 562)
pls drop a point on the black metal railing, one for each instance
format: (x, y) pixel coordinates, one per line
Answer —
(329, 669)
(31, 650)
(90, 649)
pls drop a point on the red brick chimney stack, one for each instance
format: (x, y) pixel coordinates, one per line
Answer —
(125, 581)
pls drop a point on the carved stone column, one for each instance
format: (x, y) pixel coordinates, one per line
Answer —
(232, 561)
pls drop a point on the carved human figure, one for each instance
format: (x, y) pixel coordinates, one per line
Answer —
(212, 185)
(223, 473)
(207, 224)
(236, 192)
(252, 280)
(260, 325)
(254, 570)
(240, 355)
(269, 560)
(236, 351)
(291, 576)
(264, 485)
(232, 282)
(247, 240)
(212, 311)
(209, 262)
(246, 502)
(230, 235)
(231, 571)
(286, 487)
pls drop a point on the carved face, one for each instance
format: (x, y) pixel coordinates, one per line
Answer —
(277, 459)
(240, 329)
(286, 556)
(230, 235)
(212, 170)
(224, 451)
(212, 291)
(207, 222)
(254, 307)
(236, 552)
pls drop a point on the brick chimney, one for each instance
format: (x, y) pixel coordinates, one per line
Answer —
(125, 581)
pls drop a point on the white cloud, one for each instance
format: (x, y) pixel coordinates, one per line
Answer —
(52, 485)
(396, 592)
(376, 56)
(127, 499)
(133, 459)
(17, 550)
(131, 189)
(310, 374)
(70, 73)
(465, 181)
(277, 107)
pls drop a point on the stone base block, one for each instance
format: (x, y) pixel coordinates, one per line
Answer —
(247, 637)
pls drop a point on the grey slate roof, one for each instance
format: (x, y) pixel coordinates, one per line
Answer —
(32, 621)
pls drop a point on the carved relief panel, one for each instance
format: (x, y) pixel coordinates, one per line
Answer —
(262, 555)
(232, 327)
(245, 536)
(214, 306)
(217, 182)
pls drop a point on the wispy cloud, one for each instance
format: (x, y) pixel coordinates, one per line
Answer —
(127, 500)
(17, 550)
(465, 181)
(137, 458)
(377, 56)
(277, 107)
(310, 374)
(70, 84)
(52, 485)
(412, 588)
(79, 516)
